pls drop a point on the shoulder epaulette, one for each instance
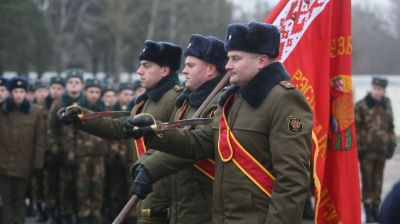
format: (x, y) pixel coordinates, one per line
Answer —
(178, 88)
(287, 84)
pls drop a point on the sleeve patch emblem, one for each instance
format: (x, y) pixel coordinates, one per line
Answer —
(294, 124)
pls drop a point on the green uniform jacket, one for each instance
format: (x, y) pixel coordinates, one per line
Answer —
(259, 118)
(191, 189)
(160, 102)
(22, 134)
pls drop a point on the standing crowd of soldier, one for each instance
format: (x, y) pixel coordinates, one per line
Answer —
(249, 164)
(66, 174)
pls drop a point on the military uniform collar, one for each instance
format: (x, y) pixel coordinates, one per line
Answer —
(160, 89)
(97, 108)
(371, 102)
(48, 101)
(259, 87)
(9, 105)
(197, 97)
(68, 101)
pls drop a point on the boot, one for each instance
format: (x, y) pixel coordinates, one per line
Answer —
(375, 211)
(369, 213)
(51, 216)
(42, 213)
(30, 210)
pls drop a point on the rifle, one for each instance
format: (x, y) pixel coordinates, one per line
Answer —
(126, 210)
(134, 199)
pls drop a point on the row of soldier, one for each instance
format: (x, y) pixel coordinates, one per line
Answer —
(49, 177)
(250, 165)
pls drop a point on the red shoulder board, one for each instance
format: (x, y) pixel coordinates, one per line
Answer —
(287, 85)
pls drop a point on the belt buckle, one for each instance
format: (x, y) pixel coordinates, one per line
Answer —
(146, 213)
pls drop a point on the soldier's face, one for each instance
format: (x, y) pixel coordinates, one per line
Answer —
(151, 73)
(56, 90)
(18, 95)
(3, 93)
(74, 85)
(377, 92)
(40, 94)
(125, 96)
(243, 66)
(92, 94)
(109, 98)
(196, 72)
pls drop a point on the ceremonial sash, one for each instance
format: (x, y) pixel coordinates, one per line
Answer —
(230, 149)
(139, 143)
(206, 166)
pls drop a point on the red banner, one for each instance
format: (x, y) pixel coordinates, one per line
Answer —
(316, 48)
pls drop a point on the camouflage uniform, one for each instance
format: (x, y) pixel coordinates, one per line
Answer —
(89, 156)
(375, 134)
(51, 167)
(63, 142)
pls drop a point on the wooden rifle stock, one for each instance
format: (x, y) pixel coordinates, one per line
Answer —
(134, 199)
(126, 210)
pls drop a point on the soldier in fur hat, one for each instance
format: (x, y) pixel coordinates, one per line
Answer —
(159, 63)
(22, 134)
(260, 137)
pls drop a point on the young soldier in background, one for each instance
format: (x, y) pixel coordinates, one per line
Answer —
(3, 89)
(89, 158)
(22, 134)
(63, 143)
(52, 161)
(376, 142)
